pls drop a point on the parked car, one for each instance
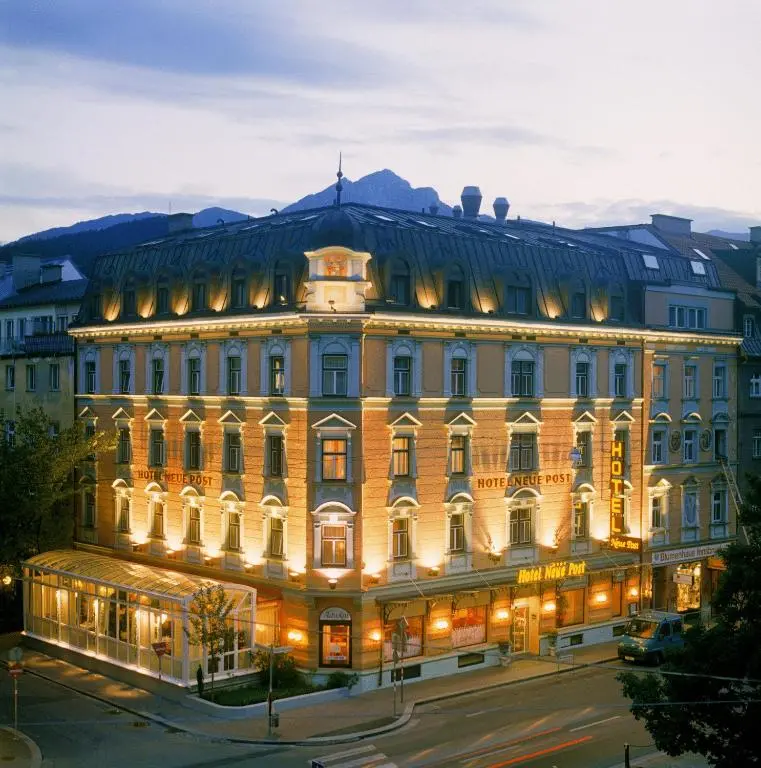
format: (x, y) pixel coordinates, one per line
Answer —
(650, 636)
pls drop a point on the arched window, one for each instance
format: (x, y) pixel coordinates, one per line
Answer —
(199, 299)
(281, 288)
(455, 288)
(399, 283)
(238, 290)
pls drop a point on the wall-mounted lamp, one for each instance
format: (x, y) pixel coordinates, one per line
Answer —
(295, 575)
(7, 579)
(375, 636)
(633, 592)
(441, 624)
(295, 636)
(332, 583)
(549, 606)
(601, 597)
(433, 570)
(493, 554)
(501, 614)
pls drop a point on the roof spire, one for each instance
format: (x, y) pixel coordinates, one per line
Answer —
(339, 186)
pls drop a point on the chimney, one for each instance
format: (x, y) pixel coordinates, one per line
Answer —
(755, 235)
(179, 222)
(672, 225)
(471, 201)
(51, 273)
(433, 209)
(501, 207)
(26, 271)
(457, 211)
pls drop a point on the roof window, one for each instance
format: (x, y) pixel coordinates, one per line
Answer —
(698, 267)
(382, 217)
(651, 262)
(733, 247)
(701, 254)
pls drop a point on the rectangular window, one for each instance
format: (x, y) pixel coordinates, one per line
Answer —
(619, 380)
(157, 448)
(123, 448)
(10, 433)
(124, 376)
(232, 452)
(239, 292)
(657, 443)
(162, 300)
(690, 509)
(94, 304)
(520, 526)
(399, 292)
(194, 376)
(9, 330)
(334, 459)
(402, 370)
(584, 446)
(275, 548)
(199, 296)
(455, 294)
(333, 546)
(401, 456)
(582, 379)
(233, 531)
(458, 449)
(275, 448)
(233, 375)
(123, 522)
(518, 300)
(457, 533)
(61, 323)
(719, 380)
(157, 519)
(157, 375)
(719, 506)
(21, 328)
(690, 385)
(579, 305)
(129, 304)
(400, 537)
(749, 326)
(468, 626)
(42, 324)
(581, 520)
(757, 443)
(616, 310)
(193, 447)
(458, 376)
(687, 317)
(522, 451)
(657, 517)
(277, 375)
(719, 444)
(282, 287)
(31, 378)
(335, 374)
(194, 525)
(522, 374)
(89, 436)
(689, 446)
(90, 377)
(573, 608)
(755, 386)
(54, 377)
(10, 377)
(89, 510)
(659, 381)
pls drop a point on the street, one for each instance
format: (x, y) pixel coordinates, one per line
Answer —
(577, 719)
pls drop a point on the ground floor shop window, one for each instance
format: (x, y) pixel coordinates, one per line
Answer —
(414, 633)
(687, 578)
(335, 644)
(469, 626)
(571, 607)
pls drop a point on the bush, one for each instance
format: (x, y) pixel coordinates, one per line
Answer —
(284, 672)
(339, 679)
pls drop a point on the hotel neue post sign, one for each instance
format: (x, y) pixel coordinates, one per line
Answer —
(618, 540)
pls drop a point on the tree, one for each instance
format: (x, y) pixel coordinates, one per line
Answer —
(709, 698)
(208, 623)
(37, 477)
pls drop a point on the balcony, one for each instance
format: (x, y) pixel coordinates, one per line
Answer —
(39, 344)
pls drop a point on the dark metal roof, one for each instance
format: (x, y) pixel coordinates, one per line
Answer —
(46, 293)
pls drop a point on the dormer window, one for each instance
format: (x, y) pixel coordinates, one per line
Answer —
(199, 299)
(162, 296)
(238, 290)
(282, 284)
(129, 300)
(95, 306)
(456, 289)
(518, 300)
(399, 287)
(616, 307)
(579, 305)
(749, 326)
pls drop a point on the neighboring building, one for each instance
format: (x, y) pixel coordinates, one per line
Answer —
(38, 301)
(367, 414)
(740, 270)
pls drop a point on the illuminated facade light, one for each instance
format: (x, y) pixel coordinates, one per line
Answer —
(549, 606)
(375, 636)
(502, 614)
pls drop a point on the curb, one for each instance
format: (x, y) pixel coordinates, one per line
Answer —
(35, 755)
(346, 738)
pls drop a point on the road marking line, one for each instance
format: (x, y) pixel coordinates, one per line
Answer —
(347, 753)
(539, 753)
(597, 722)
(476, 714)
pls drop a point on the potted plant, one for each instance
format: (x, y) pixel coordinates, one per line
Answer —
(552, 641)
(504, 653)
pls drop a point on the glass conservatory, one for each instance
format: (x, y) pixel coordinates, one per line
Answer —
(117, 610)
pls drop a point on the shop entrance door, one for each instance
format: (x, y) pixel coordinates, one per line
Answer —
(520, 629)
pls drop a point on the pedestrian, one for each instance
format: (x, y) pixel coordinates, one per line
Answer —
(199, 678)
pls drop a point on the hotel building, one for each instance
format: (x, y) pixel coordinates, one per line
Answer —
(493, 431)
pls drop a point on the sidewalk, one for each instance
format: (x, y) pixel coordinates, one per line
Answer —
(345, 720)
(18, 749)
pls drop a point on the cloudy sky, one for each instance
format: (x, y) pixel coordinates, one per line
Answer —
(583, 111)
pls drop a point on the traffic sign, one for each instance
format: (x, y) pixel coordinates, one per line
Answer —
(15, 671)
(15, 654)
(160, 649)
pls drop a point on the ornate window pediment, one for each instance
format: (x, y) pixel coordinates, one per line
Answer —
(230, 419)
(334, 421)
(406, 420)
(272, 420)
(190, 417)
(154, 415)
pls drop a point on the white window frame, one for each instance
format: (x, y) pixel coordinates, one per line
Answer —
(521, 499)
(155, 495)
(465, 350)
(233, 506)
(661, 363)
(193, 349)
(458, 561)
(122, 421)
(584, 355)
(157, 351)
(333, 513)
(233, 348)
(659, 427)
(690, 532)
(334, 345)
(273, 508)
(228, 430)
(123, 353)
(584, 494)
(89, 355)
(756, 444)
(694, 443)
(618, 356)
(755, 385)
(659, 534)
(524, 353)
(749, 326)
(691, 362)
(275, 347)
(122, 493)
(720, 379)
(461, 426)
(191, 499)
(339, 430)
(404, 348)
(273, 426)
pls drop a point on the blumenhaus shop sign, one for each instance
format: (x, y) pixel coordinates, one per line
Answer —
(684, 554)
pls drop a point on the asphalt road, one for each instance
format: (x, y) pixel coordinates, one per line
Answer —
(574, 720)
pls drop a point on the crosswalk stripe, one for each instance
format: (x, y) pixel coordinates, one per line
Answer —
(347, 753)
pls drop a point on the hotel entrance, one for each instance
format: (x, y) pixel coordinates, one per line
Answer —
(520, 629)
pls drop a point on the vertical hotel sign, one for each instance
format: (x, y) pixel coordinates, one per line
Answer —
(618, 540)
